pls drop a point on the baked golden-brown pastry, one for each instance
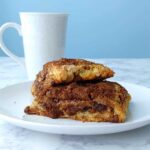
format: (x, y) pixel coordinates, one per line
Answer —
(67, 71)
(96, 101)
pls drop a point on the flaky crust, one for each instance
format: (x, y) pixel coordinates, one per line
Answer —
(67, 71)
(86, 101)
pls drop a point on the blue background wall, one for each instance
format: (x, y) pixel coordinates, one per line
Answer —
(96, 28)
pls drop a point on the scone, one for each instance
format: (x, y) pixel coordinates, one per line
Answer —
(67, 71)
(96, 101)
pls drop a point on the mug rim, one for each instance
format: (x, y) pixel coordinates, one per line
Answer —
(45, 13)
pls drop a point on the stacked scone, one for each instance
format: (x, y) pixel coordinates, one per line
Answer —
(77, 89)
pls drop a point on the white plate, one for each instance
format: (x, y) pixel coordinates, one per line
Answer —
(13, 100)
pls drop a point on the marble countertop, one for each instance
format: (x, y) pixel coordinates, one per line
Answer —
(16, 138)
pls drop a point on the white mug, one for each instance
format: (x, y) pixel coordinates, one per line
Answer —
(43, 39)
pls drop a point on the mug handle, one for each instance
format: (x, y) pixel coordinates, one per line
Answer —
(2, 45)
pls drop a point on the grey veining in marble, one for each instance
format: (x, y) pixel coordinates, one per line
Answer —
(16, 138)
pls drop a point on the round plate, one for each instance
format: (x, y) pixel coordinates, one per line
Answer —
(15, 98)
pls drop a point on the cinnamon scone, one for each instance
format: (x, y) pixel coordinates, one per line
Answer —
(95, 101)
(68, 70)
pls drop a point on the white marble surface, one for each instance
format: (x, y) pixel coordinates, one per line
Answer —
(15, 138)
